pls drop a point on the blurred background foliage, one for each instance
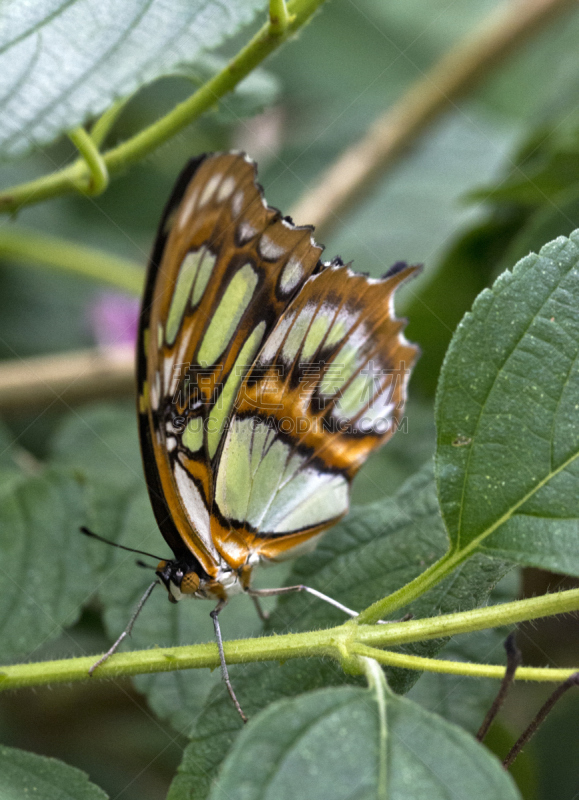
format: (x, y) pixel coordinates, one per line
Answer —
(495, 177)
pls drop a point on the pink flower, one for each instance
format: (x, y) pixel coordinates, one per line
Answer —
(114, 319)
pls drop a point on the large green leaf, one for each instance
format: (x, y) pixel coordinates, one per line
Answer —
(66, 60)
(357, 744)
(44, 560)
(389, 467)
(100, 444)
(508, 432)
(25, 774)
(375, 550)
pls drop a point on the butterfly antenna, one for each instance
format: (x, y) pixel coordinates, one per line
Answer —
(92, 535)
(142, 564)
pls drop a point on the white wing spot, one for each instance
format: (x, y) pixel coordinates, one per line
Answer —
(237, 203)
(246, 231)
(188, 208)
(270, 249)
(225, 189)
(210, 187)
(291, 275)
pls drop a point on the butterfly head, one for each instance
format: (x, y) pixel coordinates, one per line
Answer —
(180, 578)
(186, 578)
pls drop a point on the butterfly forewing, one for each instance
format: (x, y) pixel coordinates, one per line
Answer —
(224, 269)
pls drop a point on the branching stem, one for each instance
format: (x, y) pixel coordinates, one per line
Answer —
(344, 642)
(279, 18)
(98, 178)
(137, 147)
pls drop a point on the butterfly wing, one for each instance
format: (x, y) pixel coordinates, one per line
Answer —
(327, 388)
(224, 268)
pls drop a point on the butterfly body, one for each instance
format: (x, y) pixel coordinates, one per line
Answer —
(266, 377)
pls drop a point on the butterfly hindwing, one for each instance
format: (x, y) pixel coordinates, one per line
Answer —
(327, 388)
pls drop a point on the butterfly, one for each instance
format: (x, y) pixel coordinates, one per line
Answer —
(265, 379)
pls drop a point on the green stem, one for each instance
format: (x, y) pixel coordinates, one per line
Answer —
(98, 173)
(101, 128)
(377, 684)
(340, 643)
(421, 584)
(279, 19)
(249, 57)
(160, 660)
(477, 619)
(447, 667)
(22, 244)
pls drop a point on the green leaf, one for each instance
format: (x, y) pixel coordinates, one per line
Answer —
(508, 438)
(389, 467)
(25, 774)
(213, 731)
(63, 62)
(44, 560)
(366, 744)
(547, 163)
(100, 444)
(374, 551)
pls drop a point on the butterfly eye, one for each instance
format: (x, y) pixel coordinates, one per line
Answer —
(190, 583)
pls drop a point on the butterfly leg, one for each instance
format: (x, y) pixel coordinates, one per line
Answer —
(128, 629)
(256, 593)
(224, 672)
(263, 615)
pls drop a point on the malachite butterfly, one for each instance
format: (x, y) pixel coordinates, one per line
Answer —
(265, 378)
